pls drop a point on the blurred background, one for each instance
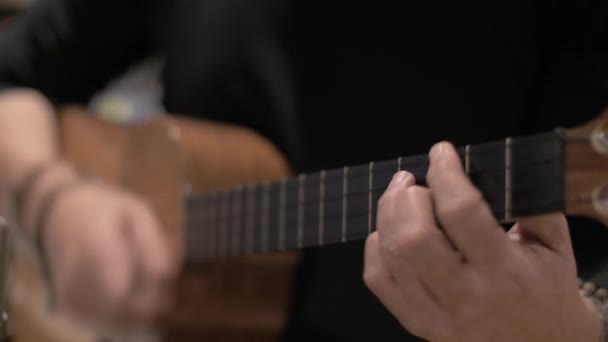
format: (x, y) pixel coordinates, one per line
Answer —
(134, 96)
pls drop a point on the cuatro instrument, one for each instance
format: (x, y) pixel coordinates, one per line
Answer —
(229, 206)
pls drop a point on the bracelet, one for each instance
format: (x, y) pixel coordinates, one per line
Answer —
(599, 297)
(41, 222)
(24, 189)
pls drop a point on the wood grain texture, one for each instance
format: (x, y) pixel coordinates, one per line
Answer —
(228, 300)
(586, 169)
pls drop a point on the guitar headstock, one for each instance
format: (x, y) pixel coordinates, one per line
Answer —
(586, 169)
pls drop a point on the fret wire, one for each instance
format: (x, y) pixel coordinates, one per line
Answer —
(206, 215)
(508, 179)
(250, 218)
(364, 214)
(236, 225)
(301, 197)
(544, 182)
(369, 198)
(382, 188)
(265, 216)
(508, 186)
(472, 172)
(322, 207)
(399, 161)
(204, 232)
(423, 160)
(282, 215)
(213, 241)
(222, 224)
(344, 203)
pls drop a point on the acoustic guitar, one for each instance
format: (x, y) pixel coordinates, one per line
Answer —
(227, 202)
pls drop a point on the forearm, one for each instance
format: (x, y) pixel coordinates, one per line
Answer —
(27, 134)
(28, 139)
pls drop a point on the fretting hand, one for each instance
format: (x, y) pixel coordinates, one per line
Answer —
(447, 271)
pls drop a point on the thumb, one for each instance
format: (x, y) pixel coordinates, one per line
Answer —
(549, 231)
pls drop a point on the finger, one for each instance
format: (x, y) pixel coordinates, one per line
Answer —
(549, 231)
(461, 210)
(385, 208)
(101, 271)
(153, 270)
(414, 239)
(407, 300)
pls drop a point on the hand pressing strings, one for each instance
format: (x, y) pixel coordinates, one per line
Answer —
(444, 267)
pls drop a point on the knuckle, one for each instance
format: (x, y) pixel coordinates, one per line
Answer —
(417, 326)
(412, 239)
(372, 279)
(463, 207)
(385, 200)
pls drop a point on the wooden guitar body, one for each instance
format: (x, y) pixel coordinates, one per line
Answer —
(247, 298)
(244, 298)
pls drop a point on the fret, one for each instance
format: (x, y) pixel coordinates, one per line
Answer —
(265, 217)
(236, 220)
(282, 215)
(383, 174)
(301, 197)
(508, 179)
(249, 208)
(370, 198)
(321, 207)
(215, 214)
(292, 186)
(204, 232)
(517, 177)
(344, 202)
(490, 158)
(273, 230)
(332, 206)
(310, 236)
(223, 226)
(537, 175)
(417, 166)
(259, 213)
(357, 212)
(195, 239)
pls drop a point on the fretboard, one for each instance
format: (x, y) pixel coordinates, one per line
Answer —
(517, 177)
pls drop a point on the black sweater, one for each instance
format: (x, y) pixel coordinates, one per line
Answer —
(335, 83)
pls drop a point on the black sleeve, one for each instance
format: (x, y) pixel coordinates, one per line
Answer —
(68, 49)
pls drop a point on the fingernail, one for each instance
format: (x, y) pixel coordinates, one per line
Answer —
(437, 151)
(398, 177)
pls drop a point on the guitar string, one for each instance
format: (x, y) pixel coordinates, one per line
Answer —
(500, 189)
(410, 162)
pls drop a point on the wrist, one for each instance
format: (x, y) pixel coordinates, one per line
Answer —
(46, 177)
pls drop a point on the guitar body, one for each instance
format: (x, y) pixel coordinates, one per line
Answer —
(247, 298)
(231, 300)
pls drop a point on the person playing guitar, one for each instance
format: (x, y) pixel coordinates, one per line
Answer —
(329, 85)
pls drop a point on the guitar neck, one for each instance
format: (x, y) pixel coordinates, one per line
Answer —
(517, 177)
